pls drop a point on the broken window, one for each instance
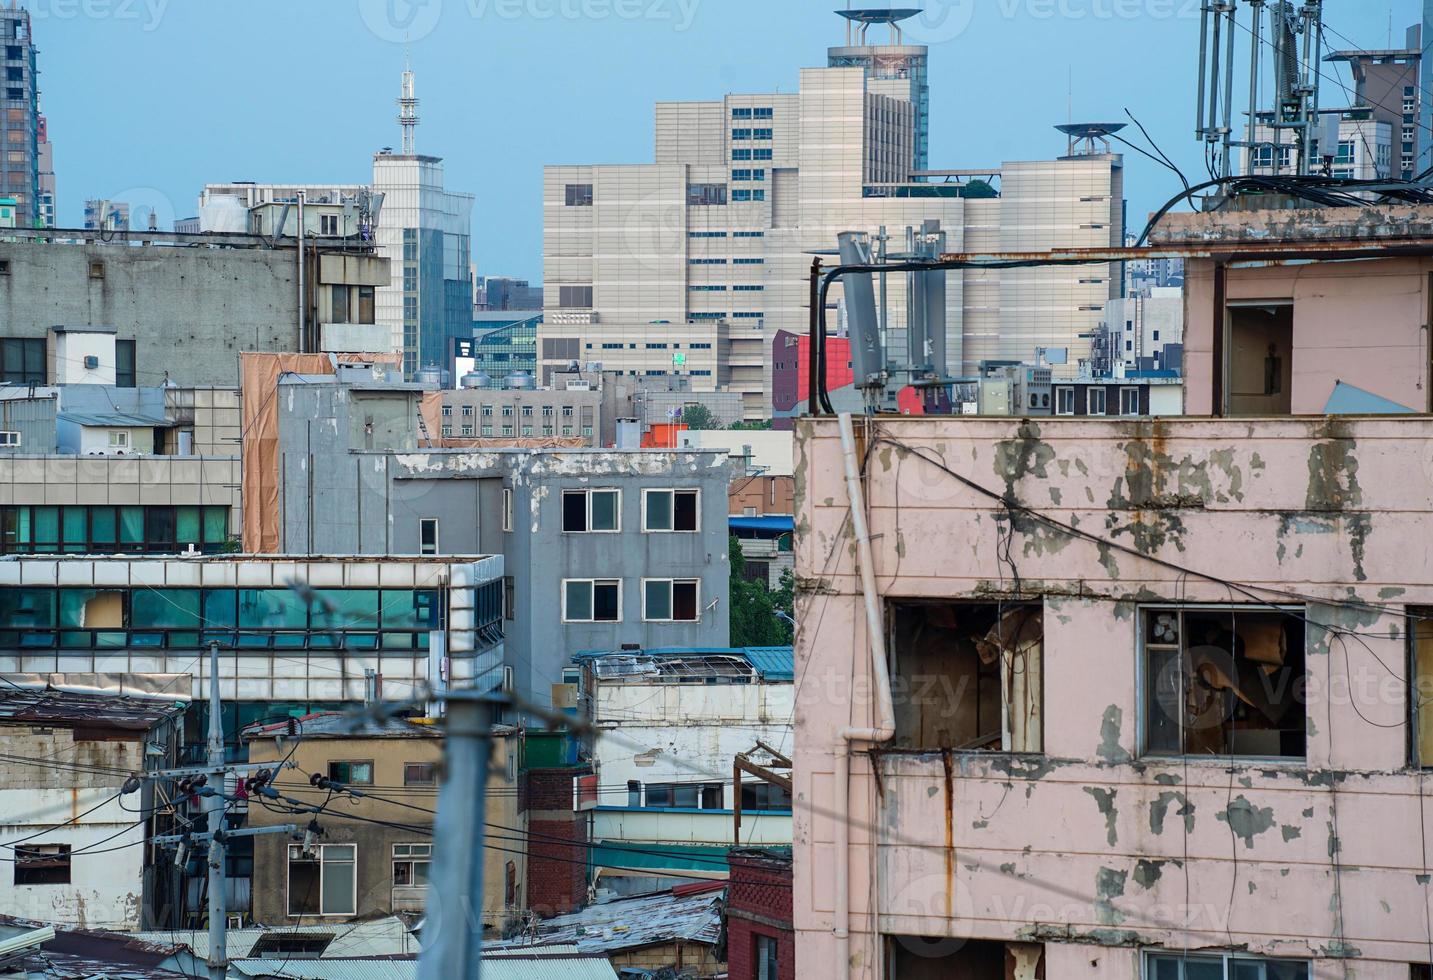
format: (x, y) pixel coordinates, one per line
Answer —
(968, 676)
(42, 864)
(1224, 681)
(764, 796)
(670, 510)
(939, 958)
(1221, 966)
(291, 945)
(1258, 365)
(667, 600)
(1420, 700)
(351, 773)
(591, 510)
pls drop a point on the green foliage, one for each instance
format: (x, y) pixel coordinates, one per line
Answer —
(978, 189)
(757, 425)
(754, 622)
(699, 418)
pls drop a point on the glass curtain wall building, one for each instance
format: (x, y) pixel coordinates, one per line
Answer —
(19, 116)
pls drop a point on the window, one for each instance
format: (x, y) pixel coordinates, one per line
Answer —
(575, 297)
(1223, 681)
(1258, 368)
(428, 536)
(591, 601)
(1094, 401)
(687, 796)
(761, 154)
(9, 438)
(741, 113)
(96, 270)
(527, 411)
(634, 793)
(1129, 401)
(670, 510)
(467, 411)
(286, 944)
(741, 134)
(323, 881)
(420, 774)
(703, 195)
(1064, 401)
(411, 864)
(119, 439)
(22, 361)
(762, 113)
(42, 864)
(740, 155)
(579, 195)
(764, 796)
(1221, 966)
(767, 958)
(975, 673)
(507, 508)
(351, 773)
(667, 600)
(328, 224)
(591, 511)
(970, 959)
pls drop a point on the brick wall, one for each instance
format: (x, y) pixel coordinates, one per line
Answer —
(556, 870)
(759, 904)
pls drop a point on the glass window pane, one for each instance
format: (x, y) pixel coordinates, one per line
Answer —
(103, 525)
(404, 610)
(75, 529)
(24, 528)
(131, 525)
(216, 525)
(91, 609)
(345, 608)
(659, 599)
(220, 606)
(579, 601)
(659, 510)
(186, 525)
(604, 510)
(47, 525)
(272, 609)
(27, 608)
(604, 602)
(159, 527)
(175, 608)
(338, 897)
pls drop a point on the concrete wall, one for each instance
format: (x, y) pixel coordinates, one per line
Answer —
(106, 890)
(1092, 845)
(176, 480)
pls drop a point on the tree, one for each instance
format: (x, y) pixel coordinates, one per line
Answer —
(978, 188)
(754, 622)
(757, 425)
(698, 418)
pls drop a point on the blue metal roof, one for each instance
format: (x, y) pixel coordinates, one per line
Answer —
(770, 663)
(777, 524)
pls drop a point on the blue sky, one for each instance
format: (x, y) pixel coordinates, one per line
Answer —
(150, 99)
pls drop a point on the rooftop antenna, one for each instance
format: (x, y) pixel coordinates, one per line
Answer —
(408, 111)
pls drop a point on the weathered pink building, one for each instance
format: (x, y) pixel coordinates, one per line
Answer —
(1152, 706)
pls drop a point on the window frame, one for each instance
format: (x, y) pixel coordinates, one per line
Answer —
(1129, 390)
(1090, 391)
(424, 547)
(350, 763)
(10, 438)
(322, 870)
(432, 768)
(592, 600)
(1143, 679)
(1225, 960)
(507, 509)
(1061, 391)
(673, 491)
(588, 492)
(672, 584)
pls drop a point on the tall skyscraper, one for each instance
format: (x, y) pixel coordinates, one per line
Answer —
(425, 231)
(20, 118)
(896, 69)
(45, 213)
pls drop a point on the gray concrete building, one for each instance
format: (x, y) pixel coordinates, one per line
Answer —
(540, 413)
(179, 314)
(602, 548)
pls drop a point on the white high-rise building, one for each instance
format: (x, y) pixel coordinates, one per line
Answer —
(690, 265)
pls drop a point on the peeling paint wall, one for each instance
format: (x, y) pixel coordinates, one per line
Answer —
(1095, 847)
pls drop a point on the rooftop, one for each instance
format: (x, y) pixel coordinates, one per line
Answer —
(26, 702)
(693, 664)
(343, 724)
(689, 914)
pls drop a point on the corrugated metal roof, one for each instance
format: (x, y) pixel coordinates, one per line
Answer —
(328, 969)
(564, 962)
(380, 937)
(770, 663)
(771, 524)
(631, 923)
(345, 724)
(52, 707)
(116, 420)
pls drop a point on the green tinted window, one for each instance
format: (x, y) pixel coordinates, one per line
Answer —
(131, 525)
(216, 525)
(221, 607)
(103, 525)
(272, 609)
(23, 608)
(345, 608)
(186, 525)
(47, 525)
(75, 526)
(173, 608)
(404, 610)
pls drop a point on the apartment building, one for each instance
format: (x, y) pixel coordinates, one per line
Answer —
(603, 547)
(574, 412)
(21, 122)
(1138, 330)
(1387, 82)
(1049, 618)
(691, 264)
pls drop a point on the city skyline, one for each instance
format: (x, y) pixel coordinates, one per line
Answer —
(495, 147)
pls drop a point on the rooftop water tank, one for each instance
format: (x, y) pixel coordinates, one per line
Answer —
(429, 374)
(476, 379)
(518, 380)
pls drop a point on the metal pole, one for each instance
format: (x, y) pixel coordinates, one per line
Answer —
(1203, 68)
(218, 961)
(814, 353)
(303, 292)
(455, 894)
(1228, 88)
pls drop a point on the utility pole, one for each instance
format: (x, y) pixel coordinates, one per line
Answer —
(457, 883)
(214, 806)
(304, 344)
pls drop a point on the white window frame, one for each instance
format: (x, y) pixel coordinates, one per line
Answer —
(9, 437)
(507, 508)
(322, 866)
(1060, 393)
(592, 583)
(673, 491)
(671, 600)
(588, 492)
(1227, 960)
(1128, 390)
(424, 549)
(1090, 399)
(119, 438)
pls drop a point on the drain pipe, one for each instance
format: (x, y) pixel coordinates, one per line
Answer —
(885, 708)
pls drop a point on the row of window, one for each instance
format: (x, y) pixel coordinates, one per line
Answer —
(28, 530)
(748, 195)
(751, 134)
(722, 234)
(763, 112)
(739, 155)
(246, 619)
(600, 511)
(508, 431)
(323, 880)
(744, 174)
(508, 411)
(1096, 401)
(704, 796)
(664, 600)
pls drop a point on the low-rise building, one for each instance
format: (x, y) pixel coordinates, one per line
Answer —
(760, 940)
(74, 831)
(671, 724)
(523, 413)
(766, 546)
(376, 849)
